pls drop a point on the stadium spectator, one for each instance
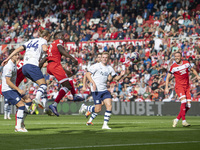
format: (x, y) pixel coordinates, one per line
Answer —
(115, 98)
(18, 26)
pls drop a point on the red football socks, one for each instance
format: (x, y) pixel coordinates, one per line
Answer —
(61, 94)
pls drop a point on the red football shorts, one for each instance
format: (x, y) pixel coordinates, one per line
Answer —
(20, 77)
(57, 71)
(183, 91)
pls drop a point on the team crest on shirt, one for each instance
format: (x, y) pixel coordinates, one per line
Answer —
(17, 99)
(104, 73)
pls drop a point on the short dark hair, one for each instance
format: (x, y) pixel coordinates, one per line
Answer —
(56, 34)
(178, 53)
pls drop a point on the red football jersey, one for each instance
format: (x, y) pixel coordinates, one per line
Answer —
(181, 72)
(20, 64)
(20, 75)
(53, 52)
(0, 89)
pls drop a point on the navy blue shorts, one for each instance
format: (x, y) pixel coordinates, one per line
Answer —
(100, 96)
(12, 96)
(32, 72)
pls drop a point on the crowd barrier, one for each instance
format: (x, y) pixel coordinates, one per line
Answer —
(115, 43)
(72, 45)
(126, 108)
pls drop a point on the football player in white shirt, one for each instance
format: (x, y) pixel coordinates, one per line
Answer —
(93, 115)
(98, 74)
(34, 49)
(11, 92)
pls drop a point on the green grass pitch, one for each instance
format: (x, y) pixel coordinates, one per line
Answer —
(128, 132)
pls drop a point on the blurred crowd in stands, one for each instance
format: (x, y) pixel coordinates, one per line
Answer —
(97, 20)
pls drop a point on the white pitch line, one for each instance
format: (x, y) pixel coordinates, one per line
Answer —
(116, 145)
(79, 123)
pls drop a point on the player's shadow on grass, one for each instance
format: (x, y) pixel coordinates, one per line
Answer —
(40, 129)
(193, 126)
(84, 132)
(113, 125)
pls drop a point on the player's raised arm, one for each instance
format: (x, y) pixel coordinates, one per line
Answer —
(64, 53)
(167, 83)
(19, 49)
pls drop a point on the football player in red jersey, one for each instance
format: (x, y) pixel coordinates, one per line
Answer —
(180, 69)
(20, 75)
(54, 67)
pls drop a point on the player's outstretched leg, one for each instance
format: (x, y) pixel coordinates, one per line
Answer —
(61, 94)
(66, 87)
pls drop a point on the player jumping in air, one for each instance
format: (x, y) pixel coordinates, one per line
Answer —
(180, 69)
(54, 67)
(34, 49)
(98, 74)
